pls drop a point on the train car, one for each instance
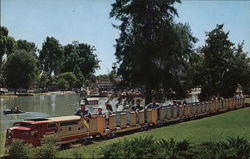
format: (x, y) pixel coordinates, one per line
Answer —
(68, 129)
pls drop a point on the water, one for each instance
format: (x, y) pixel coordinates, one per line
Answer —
(47, 106)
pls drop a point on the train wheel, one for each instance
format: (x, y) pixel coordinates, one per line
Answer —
(110, 135)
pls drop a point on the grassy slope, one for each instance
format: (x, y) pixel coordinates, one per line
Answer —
(234, 123)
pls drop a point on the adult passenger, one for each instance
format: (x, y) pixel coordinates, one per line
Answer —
(153, 104)
(82, 111)
(108, 113)
(109, 110)
(137, 106)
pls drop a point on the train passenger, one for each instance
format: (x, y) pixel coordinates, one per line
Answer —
(82, 111)
(137, 106)
(220, 98)
(214, 98)
(108, 113)
(99, 110)
(153, 104)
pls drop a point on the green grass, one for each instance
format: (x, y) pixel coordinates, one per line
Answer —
(247, 100)
(216, 128)
(7, 96)
(2, 141)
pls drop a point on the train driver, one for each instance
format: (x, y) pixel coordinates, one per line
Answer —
(82, 111)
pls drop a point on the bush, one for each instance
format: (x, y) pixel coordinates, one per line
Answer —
(135, 148)
(69, 77)
(47, 149)
(18, 149)
(232, 148)
(175, 149)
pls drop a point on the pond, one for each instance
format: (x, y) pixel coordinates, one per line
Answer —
(47, 106)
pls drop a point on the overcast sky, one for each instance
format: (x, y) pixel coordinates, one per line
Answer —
(88, 21)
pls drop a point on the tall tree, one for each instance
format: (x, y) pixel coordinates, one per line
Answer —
(81, 55)
(20, 70)
(51, 55)
(152, 50)
(222, 66)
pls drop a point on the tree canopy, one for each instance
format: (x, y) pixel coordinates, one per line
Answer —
(69, 77)
(51, 55)
(28, 46)
(152, 50)
(221, 66)
(7, 43)
(20, 69)
(81, 55)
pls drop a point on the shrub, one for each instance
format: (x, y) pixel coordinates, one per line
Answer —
(135, 148)
(175, 150)
(232, 148)
(47, 149)
(18, 149)
(148, 147)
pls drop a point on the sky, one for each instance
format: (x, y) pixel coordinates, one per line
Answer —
(87, 21)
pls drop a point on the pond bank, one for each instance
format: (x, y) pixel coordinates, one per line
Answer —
(11, 95)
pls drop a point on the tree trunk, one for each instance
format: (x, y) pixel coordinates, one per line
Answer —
(148, 95)
(15, 91)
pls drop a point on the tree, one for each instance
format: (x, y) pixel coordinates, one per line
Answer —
(51, 55)
(62, 84)
(43, 80)
(221, 66)
(20, 70)
(69, 77)
(152, 50)
(28, 46)
(83, 56)
(79, 76)
(7, 43)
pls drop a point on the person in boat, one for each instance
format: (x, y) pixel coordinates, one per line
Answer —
(137, 106)
(15, 109)
(82, 111)
(153, 104)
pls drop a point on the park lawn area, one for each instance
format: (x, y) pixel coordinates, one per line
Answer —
(2, 141)
(215, 128)
(247, 100)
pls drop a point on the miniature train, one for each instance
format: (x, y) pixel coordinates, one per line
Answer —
(68, 129)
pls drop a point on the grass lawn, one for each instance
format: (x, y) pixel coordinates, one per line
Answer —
(2, 141)
(216, 128)
(247, 100)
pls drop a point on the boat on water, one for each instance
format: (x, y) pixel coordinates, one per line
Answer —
(92, 101)
(11, 111)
